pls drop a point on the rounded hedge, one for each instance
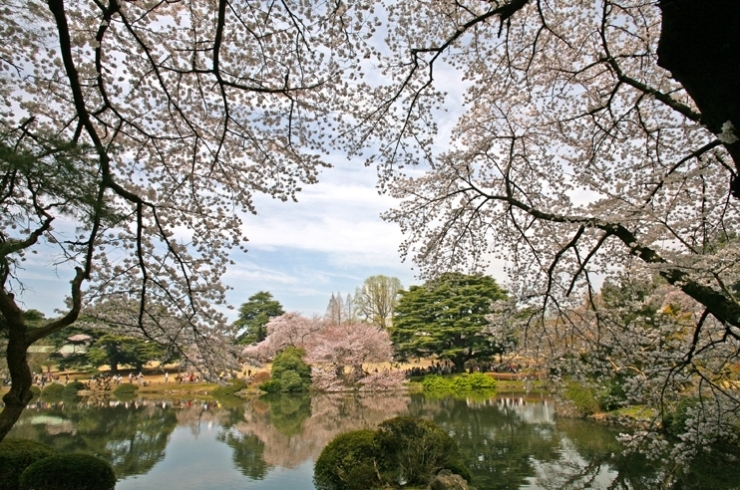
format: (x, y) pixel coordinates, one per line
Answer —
(403, 449)
(415, 449)
(35, 392)
(68, 472)
(15, 456)
(69, 395)
(52, 393)
(348, 462)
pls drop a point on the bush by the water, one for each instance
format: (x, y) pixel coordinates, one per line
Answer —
(290, 373)
(69, 395)
(348, 462)
(52, 393)
(125, 388)
(460, 384)
(68, 472)
(403, 449)
(15, 456)
(583, 398)
(227, 395)
(125, 392)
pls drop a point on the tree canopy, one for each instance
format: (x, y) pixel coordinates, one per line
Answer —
(133, 137)
(254, 315)
(376, 299)
(448, 317)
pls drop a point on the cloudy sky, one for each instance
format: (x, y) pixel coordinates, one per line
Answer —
(329, 241)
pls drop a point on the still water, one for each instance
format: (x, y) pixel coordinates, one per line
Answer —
(272, 442)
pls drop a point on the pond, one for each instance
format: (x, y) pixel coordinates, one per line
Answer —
(272, 442)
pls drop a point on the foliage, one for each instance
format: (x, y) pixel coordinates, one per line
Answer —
(254, 315)
(289, 330)
(448, 317)
(114, 350)
(336, 352)
(15, 456)
(348, 462)
(227, 395)
(35, 392)
(71, 389)
(583, 398)
(68, 471)
(402, 449)
(459, 385)
(288, 411)
(415, 449)
(289, 372)
(375, 301)
(126, 389)
(52, 392)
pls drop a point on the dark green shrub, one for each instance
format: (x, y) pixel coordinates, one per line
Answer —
(125, 392)
(459, 385)
(53, 393)
(403, 449)
(290, 369)
(128, 388)
(675, 422)
(69, 395)
(68, 472)
(15, 456)
(414, 449)
(290, 374)
(583, 398)
(271, 386)
(458, 467)
(73, 387)
(35, 392)
(348, 462)
(291, 382)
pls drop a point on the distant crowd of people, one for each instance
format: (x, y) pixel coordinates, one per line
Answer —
(447, 368)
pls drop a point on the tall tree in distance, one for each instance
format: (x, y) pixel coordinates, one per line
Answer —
(448, 317)
(254, 315)
(340, 311)
(376, 300)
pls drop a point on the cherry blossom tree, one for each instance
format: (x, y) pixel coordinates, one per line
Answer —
(592, 138)
(288, 330)
(134, 136)
(338, 353)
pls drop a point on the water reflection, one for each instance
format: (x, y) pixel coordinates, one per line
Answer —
(508, 442)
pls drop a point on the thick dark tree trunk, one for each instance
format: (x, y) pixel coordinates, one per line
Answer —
(20, 373)
(700, 46)
(20, 338)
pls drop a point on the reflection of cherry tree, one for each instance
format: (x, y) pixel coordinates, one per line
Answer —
(339, 353)
(330, 416)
